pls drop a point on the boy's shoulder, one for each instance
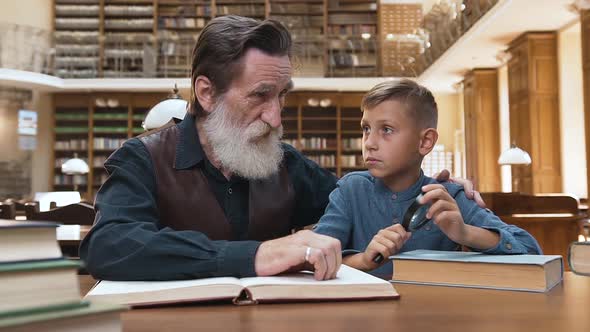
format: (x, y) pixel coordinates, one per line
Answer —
(363, 178)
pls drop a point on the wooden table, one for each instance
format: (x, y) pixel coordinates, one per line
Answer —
(69, 246)
(420, 308)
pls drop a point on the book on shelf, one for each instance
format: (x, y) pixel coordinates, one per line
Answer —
(578, 257)
(88, 317)
(533, 273)
(27, 240)
(350, 284)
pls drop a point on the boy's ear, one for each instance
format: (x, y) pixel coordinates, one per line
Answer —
(205, 93)
(428, 139)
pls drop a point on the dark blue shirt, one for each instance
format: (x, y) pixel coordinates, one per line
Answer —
(127, 241)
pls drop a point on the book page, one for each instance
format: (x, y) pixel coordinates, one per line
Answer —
(106, 287)
(346, 276)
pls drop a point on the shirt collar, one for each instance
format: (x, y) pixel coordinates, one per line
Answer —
(189, 151)
(405, 195)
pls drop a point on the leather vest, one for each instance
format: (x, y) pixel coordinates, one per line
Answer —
(185, 201)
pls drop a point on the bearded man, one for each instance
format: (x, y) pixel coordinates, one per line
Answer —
(216, 194)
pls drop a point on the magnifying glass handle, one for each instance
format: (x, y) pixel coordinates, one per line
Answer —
(378, 258)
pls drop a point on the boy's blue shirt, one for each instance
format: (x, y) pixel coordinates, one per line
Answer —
(361, 205)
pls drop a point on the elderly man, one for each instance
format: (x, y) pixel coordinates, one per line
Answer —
(216, 194)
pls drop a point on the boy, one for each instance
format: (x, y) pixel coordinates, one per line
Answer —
(366, 209)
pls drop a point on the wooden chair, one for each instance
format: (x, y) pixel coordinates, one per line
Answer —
(72, 214)
(555, 220)
(7, 210)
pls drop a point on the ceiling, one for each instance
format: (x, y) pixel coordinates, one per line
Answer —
(478, 47)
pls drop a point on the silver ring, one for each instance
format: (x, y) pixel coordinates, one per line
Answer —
(307, 254)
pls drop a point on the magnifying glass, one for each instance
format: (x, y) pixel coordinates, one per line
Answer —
(414, 219)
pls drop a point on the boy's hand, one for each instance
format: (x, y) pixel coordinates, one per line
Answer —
(445, 212)
(386, 242)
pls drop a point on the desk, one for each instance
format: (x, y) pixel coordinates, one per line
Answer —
(69, 244)
(420, 308)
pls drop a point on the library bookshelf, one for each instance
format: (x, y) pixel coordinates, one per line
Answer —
(324, 126)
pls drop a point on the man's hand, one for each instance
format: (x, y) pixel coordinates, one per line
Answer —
(291, 254)
(445, 212)
(445, 176)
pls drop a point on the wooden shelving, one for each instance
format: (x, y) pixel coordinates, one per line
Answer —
(92, 126)
(94, 132)
(77, 34)
(155, 38)
(352, 43)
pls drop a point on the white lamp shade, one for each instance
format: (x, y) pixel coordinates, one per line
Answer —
(74, 166)
(163, 112)
(514, 156)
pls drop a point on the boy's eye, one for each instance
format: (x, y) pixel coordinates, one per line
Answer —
(387, 130)
(366, 129)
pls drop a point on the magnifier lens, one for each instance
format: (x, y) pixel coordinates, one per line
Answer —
(415, 216)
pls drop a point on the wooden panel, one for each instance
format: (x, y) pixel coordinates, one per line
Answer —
(534, 111)
(585, 28)
(482, 136)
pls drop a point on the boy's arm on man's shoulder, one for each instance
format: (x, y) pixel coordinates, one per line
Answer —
(513, 240)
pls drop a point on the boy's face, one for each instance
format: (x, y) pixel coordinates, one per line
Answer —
(391, 141)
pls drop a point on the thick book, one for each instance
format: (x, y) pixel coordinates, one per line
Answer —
(38, 286)
(534, 273)
(350, 284)
(28, 240)
(89, 318)
(579, 258)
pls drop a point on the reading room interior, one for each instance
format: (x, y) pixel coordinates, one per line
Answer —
(125, 207)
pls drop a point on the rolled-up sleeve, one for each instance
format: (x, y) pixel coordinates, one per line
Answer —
(513, 240)
(127, 241)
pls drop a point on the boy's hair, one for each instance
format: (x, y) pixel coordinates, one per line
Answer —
(419, 102)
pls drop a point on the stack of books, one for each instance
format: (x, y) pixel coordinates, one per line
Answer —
(39, 288)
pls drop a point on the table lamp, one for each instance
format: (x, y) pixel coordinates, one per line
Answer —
(172, 107)
(514, 156)
(74, 166)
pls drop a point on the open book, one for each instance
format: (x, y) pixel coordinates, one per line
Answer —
(534, 273)
(350, 284)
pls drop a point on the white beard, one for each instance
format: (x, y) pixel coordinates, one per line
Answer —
(243, 150)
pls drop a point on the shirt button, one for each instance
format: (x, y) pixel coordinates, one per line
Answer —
(229, 191)
(427, 227)
(508, 246)
(394, 196)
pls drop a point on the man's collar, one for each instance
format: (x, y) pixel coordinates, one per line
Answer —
(189, 151)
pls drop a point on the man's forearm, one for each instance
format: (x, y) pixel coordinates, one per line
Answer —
(130, 252)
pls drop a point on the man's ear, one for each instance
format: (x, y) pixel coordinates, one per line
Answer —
(205, 93)
(428, 139)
